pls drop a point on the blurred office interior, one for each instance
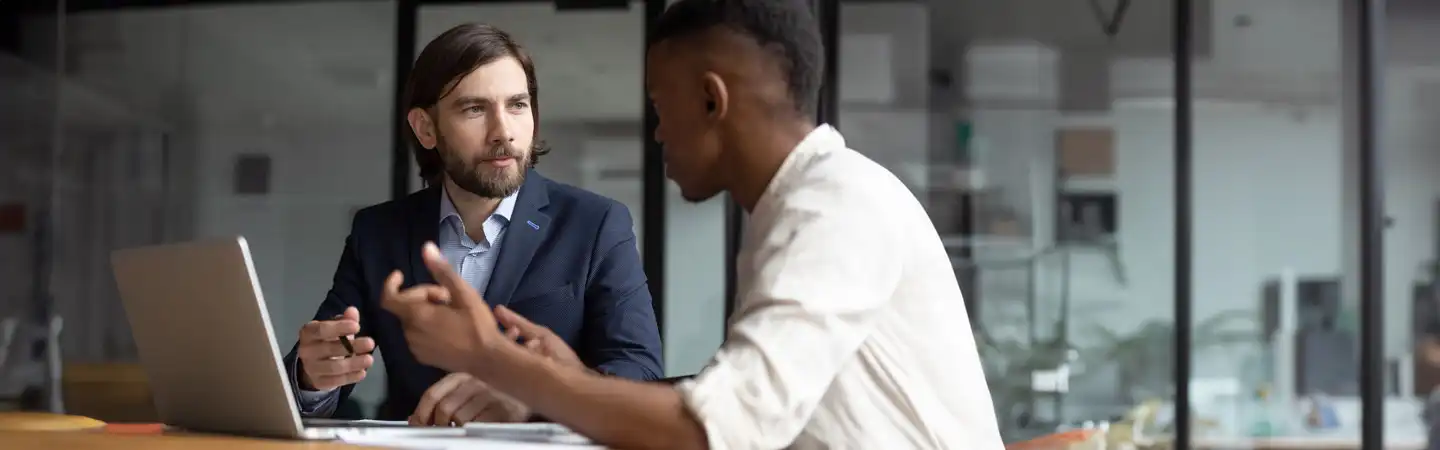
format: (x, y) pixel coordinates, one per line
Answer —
(1103, 193)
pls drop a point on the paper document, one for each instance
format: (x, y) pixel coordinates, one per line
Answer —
(551, 433)
(382, 423)
(362, 423)
(483, 436)
(386, 432)
(456, 443)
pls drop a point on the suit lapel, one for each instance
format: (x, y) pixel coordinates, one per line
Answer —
(424, 227)
(422, 218)
(529, 225)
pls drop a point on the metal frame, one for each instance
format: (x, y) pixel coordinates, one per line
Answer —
(1369, 93)
(828, 12)
(1184, 320)
(406, 23)
(653, 196)
(734, 228)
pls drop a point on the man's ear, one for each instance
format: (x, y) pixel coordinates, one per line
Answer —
(717, 97)
(422, 126)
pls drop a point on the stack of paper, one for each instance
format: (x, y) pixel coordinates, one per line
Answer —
(521, 436)
(548, 433)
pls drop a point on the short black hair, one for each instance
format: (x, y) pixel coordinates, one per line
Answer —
(786, 27)
(455, 53)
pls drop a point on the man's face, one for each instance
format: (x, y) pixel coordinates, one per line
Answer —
(686, 131)
(484, 129)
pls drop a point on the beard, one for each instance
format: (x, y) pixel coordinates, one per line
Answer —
(478, 177)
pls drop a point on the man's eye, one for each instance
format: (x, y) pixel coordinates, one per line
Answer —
(475, 110)
(520, 105)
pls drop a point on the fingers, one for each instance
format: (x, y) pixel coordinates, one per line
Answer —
(517, 326)
(460, 292)
(494, 411)
(405, 303)
(318, 350)
(338, 366)
(313, 351)
(390, 292)
(326, 383)
(501, 408)
(447, 412)
(327, 374)
(326, 330)
(475, 410)
(511, 319)
(410, 300)
(351, 313)
(512, 333)
(483, 405)
(425, 409)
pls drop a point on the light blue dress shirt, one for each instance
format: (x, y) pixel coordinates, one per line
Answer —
(473, 260)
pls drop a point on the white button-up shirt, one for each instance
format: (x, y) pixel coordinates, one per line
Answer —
(850, 331)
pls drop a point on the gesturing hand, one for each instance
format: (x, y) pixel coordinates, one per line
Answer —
(460, 398)
(325, 363)
(537, 338)
(447, 326)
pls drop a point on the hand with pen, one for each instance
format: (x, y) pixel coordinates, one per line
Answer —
(330, 355)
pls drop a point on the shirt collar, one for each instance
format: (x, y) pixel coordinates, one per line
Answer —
(504, 211)
(822, 140)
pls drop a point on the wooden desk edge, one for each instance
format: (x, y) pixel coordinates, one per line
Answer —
(166, 441)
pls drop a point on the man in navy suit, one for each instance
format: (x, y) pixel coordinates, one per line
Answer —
(559, 256)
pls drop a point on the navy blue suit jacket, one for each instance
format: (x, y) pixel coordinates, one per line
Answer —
(576, 270)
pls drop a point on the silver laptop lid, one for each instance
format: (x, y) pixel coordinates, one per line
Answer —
(204, 338)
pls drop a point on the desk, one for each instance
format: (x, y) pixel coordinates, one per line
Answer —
(81, 440)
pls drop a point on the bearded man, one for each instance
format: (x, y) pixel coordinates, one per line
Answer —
(558, 258)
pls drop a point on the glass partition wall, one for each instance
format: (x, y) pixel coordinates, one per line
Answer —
(1153, 204)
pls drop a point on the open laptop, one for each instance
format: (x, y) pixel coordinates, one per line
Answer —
(206, 343)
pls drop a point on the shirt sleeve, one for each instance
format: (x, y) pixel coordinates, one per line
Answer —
(313, 403)
(821, 278)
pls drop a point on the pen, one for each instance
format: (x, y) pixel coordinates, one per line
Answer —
(349, 349)
(345, 341)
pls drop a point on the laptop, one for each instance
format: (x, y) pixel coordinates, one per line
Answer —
(206, 343)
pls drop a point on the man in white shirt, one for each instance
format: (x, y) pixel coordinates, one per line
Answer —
(850, 331)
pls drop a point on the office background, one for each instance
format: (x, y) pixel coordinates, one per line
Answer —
(1130, 222)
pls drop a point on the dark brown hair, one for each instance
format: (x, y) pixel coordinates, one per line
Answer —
(440, 66)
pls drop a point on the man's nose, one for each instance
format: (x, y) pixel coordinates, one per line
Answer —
(500, 130)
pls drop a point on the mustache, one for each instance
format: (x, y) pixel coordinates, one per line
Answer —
(500, 151)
